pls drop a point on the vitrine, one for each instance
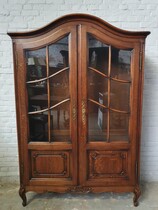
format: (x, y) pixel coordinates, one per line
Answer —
(78, 84)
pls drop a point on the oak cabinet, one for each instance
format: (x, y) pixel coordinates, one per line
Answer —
(78, 85)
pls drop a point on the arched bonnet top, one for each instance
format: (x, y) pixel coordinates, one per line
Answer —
(86, 18)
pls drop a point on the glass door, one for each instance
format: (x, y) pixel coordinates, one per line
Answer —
(51, 92)
(106, 84)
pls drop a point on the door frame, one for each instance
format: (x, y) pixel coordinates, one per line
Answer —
(22, 110)
(84, 146)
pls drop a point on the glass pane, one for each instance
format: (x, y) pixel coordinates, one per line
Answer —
(59, 90)
(121, 63)
(119, 124)
(58, 55)
(38, 124)
(36, 64)
(97, 123)
(37, 96)
(98, 54)
(59, 87)
(60, 122)
(120, 96)
(97, 87)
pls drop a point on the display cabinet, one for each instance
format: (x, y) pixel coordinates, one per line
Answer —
(78, 85)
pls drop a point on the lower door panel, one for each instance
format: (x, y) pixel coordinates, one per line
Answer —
(107, 164)
(48, 164)
(52, 167)
(108, 168)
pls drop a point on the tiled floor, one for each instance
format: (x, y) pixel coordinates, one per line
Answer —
(10, 200)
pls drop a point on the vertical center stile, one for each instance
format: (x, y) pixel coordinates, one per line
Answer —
(109, 87)
(48, 92)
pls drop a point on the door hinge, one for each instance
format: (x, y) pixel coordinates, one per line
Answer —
(136, 168)
(16, 59)
(22, 169)
(140, 60)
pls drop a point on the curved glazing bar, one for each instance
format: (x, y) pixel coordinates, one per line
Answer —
(106, 76)
(97, 71)
(105, 107)
(120, 80)
(52, 107)
(38, 112)
(97, 103)
(37, 80)
(116, 110)
(56, 105)
(40, 80)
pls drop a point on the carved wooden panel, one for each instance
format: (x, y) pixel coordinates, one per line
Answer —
(79, 189)
(50, 164)
(110, 164)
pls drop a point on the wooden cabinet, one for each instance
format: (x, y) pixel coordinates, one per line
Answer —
(78, 85)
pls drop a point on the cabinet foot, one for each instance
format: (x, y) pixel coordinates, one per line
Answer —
(22, 194)
(137, 194)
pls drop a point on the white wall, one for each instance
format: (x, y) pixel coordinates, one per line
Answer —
(22, 15)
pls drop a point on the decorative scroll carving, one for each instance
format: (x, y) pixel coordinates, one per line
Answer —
(35, 172)
(35, 156)
(137, 194)
(63, 155)
(83, 112)
(122, 173)
(122, 155)
(74, 112)
(79, 189)
(22, 194)
(64, 172)
(94, 155)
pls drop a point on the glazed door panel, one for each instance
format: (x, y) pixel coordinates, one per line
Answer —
(51, 111)
(106, 115)
(49, 93)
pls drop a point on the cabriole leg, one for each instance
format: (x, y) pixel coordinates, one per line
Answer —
(22, 194)
(137, 194)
